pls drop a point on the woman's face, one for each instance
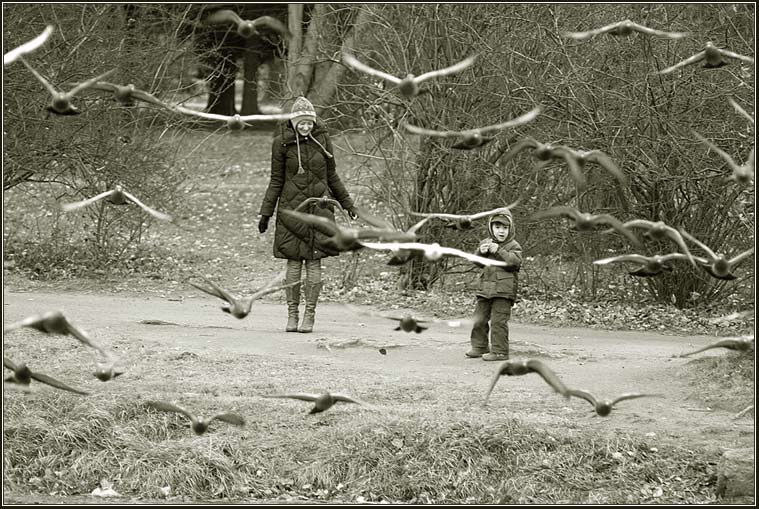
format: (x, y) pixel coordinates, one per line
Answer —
(304, 127)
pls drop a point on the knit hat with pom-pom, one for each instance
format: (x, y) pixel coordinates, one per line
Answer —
(302, 110)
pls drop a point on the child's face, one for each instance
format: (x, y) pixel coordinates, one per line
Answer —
(304, 127)
(500, 231)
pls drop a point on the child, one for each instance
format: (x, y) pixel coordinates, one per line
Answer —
(497, 290)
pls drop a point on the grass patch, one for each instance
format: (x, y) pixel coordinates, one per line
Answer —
(723, 381)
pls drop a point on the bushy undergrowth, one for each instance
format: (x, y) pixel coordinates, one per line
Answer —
(68, 445)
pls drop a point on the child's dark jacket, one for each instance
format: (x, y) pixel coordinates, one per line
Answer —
(501, 281)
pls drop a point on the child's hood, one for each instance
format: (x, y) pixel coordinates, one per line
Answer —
(503, 218)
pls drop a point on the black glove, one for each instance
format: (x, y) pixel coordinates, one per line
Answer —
(353, 213)
(263, 224)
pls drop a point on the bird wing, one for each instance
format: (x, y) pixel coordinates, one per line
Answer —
(450, 251)
(582, 36)
(691, 60)
(52, 382)
(515, 122)
(84, 338)
(441, 215)
(39, 77)
(549, 376)
(570, 156)
(526, 142)
(729, 160)
(632, 395)
(272, 23)
(675, 256)
(224, 16)
(351, 61)
(9, 363)
(579, 393)
(152, 212)
(658, 33)
(211, 116)
(263, 118)
(637, 258)
(373, 220)
(266, 291)
(313, 220)
(231, 418)
(617, 225)
(675, 236)
(487, 213)
(215, 290)
(711, 254)
(740, 257)
(418, 225)
(730, 54)
(460, 66)
(560, 211)
(607, 163)
(170, 407)
(105, 86)
(303, 396)
(150, 98)
(740, 110)
(430, 132)
(499, 372)
(79, 204)
(345, 399)
(639, 223)
(87, 84)
(28, 47)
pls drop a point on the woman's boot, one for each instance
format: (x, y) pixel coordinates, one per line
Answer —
(292, 294)
(312, 291)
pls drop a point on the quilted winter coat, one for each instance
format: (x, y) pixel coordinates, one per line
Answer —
(501, 281)
(287, 189)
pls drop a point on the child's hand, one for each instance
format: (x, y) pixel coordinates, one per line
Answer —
(484, 248)
(493, 247)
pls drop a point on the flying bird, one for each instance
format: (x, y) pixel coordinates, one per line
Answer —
(587, 222)
(464, 221)
(408, 322)
(234, 122)
(116, 196)
(128, 94)
(523, 367)
(237, 306)
(53, 322)
(657, 230)
(541, 151)
(408, 86)
(473, 138)
(322, 401)
(60, 103)
(433, 251)
(743, 173)
(249, 28)
(623, 28)
(714, 56)
(736, 344)
(198, 424)
(22, 376)
(649, 265)
(347, 239)
(717, 265)
(603, 408)
(576, 160)
(322, 203)
(28, 47)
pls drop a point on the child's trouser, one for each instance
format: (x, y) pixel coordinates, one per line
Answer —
(497, 311)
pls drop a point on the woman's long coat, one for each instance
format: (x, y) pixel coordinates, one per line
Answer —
(288, 187)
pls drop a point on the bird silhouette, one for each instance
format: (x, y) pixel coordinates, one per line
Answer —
(649, 265)
(523, 367)
(60, 103)
(541, 151)
(464, 221)
(432, 251)
(408, 86)
(717, 265)
(347, 239)
(128, 94)
(743, 173)
(736, 344)
(249, 28)
(234, 122)
(657, 230)
(576, 160)
(54, 322)
(23, 376)
(198, 424)
(237, 306)
(587, 222)
(322, 202)
(714, 56)
(28, 47)
(603, 407)
(623, 28)
(322, 401)
(473, 138)
(116, 196)
(407, 322)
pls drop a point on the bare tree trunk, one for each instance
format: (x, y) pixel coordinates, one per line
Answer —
(250, 83)
(295, 84)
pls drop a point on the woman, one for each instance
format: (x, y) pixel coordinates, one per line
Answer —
(302, 166)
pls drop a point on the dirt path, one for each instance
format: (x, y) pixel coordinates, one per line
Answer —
(607, 363)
